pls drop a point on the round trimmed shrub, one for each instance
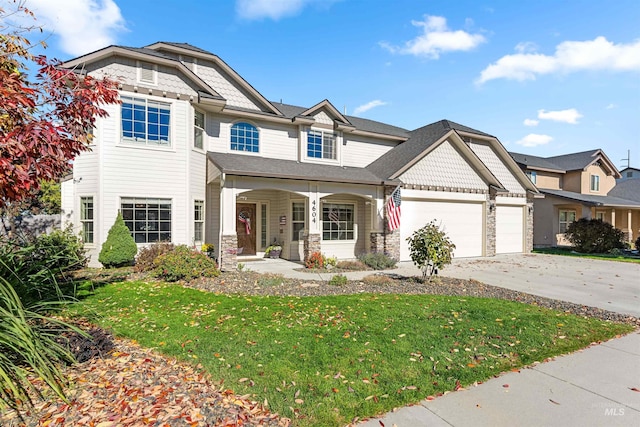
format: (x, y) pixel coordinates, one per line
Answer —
(119, 249)
(183, 263)
(594, 236)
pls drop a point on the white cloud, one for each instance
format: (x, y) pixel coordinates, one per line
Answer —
(368, 106)
(274, 9)
(530, 122)
(570, 56)
(534, 139)
(436, 38)
(570, 116)
(81, 25)
(611, 106)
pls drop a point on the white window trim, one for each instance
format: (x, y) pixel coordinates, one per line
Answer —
(156, 197)
(304, 218)
(204, 132)
(355, 220)
(154, 71)
(567, 222)
(250, 153)
(130, 143)
(591, 181)
(80, 221)
(202, 221)
(338, 147)
(259, 228)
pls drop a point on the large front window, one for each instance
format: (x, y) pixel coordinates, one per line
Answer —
(145, 121)
(86, 218)
(321, 145)
(566, 218)
(245, 137)
(149, 220)
(338, 221)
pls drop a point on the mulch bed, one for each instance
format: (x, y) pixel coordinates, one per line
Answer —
(133, 386)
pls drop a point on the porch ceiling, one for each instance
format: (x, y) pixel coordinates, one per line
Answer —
(240, 164)
(587, 199)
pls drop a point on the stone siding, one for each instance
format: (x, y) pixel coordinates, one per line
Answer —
(528, 244)
(229, 252)
(376, 241)
(491, 225)
(311, 245)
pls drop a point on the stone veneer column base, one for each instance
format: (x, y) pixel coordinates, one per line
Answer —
(229, 252)
(490, 249)
(311, 245)
(528, 244)
(376, 242)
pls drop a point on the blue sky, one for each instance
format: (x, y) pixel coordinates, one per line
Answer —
(545, 77)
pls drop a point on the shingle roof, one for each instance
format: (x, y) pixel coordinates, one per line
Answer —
(627, 189)
(593, 200)
(240, 164)
(419, 140)
(187, 46)
(292, 111)
(575, 161)
(535, 162)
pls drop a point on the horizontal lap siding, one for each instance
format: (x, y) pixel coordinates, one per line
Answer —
(360, 151)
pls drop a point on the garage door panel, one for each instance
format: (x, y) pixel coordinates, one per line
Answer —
(509, 229)
(461, 221)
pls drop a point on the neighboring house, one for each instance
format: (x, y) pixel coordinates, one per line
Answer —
(579, 185)
(629, 173)
(195, 154)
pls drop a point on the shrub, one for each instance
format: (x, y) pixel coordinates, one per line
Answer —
(430, 249)
(331, 261)
(315, 260)
(338, 280)
(377, 280)
(377, 260)
(638, 243)
(594, 236)
(183, 263)
(148, 254)
(119, 249)
(351, 265)
(60, 250)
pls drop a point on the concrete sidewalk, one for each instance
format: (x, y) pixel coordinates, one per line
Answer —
(592, 387)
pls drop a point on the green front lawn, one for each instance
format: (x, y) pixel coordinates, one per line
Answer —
(571, 252)
(325, 360)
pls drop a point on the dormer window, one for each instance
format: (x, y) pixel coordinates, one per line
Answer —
(595, 183)
(321, 145)
(147, 73)
(245, 137)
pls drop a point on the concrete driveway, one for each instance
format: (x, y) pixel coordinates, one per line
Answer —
(609, 285)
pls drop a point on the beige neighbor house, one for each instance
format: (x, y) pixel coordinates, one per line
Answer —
(194, 154)
(580, 185)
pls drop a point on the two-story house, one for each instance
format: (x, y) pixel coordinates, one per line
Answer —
(579, 185)
(195, 154)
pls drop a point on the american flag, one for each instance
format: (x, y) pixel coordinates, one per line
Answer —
(334, 216)
(244, 218)
(393, 210)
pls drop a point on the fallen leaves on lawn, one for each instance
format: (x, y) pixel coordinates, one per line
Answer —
(136, 387)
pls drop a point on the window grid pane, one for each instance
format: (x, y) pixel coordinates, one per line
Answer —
(145, 121)
(263, 225)
(245, 137)
(338, 221)
(86, 218)
(198, 221)
(149, 220)
(321, 145)
(297, 220)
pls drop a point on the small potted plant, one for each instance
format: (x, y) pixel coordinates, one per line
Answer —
(274, 250)
(209, 249)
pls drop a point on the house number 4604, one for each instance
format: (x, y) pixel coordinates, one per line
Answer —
(314, 214)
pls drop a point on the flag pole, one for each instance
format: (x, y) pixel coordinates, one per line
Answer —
(394, 190)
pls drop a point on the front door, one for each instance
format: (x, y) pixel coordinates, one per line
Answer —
(246, 229)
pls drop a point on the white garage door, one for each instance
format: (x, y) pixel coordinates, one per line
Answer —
(509, 229)
(462, 222)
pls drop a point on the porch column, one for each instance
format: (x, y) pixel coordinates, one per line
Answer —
(629, 227)
(228, 252)
(376, 236)
(314, 219)
(529, 224)
(490, 248)
(392, 238)
(613, 217)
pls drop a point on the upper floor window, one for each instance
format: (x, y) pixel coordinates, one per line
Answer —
(145, 121)
(595, 183)
(198, 129)
(629, 174)
(321, 145)
(245, 137)
(533, 176)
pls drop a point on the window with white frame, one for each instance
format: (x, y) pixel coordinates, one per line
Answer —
(321, 144)
(338, 221)
(600, 216)
(198, 129)
(245, 137)
(147, 73)
(145, 121)
(566, 218)
(198, 221)
(149, 220)
(86, 218)
(533, 176)
(595, 183)
(263, 225)
(297, 220)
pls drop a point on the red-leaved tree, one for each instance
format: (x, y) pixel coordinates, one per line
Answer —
(45, 121)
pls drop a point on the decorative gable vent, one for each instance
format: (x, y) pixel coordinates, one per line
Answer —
(147, 73)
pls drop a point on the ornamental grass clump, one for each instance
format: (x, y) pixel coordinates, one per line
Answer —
(378, 260)
(183, 263)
